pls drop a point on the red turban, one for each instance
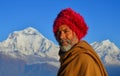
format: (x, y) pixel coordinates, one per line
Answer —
(72, 19)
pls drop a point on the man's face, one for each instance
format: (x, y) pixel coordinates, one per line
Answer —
(66, 37)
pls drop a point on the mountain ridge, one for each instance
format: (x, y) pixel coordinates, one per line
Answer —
(30, 42)
(29, 53)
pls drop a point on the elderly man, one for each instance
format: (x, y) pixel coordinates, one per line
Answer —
(77, 57)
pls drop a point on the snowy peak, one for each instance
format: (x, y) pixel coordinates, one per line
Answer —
(29, 42)
(28, 31)
(108, 51)
(30, 45)
(106, 44)
(107, 41)
(31, 31)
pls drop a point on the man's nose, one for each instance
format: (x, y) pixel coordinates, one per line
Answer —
(62, 35)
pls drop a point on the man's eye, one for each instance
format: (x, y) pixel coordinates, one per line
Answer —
(58, 33)
(66, 31)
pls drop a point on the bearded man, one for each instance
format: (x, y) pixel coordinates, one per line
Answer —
(77, 57)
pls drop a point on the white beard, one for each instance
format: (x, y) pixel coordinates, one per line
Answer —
(65, 48)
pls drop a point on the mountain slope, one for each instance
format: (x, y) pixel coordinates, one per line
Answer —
(108, 52)
(29, 42)
(17, 67)
(28, 53)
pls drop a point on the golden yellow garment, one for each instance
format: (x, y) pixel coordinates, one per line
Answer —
(81, 60)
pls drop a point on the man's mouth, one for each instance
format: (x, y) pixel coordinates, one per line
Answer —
(64, 42)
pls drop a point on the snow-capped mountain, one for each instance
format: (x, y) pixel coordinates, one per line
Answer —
(29, 42)
(29, 53)
(110, 55)
(108, 52)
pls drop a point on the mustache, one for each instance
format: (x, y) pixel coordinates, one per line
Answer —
(65, 40)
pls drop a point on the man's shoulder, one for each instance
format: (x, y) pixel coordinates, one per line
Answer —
(83, 48)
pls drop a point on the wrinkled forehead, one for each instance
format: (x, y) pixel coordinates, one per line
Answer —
(63, 27)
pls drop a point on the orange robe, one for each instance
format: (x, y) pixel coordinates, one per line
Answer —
(81, 60)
